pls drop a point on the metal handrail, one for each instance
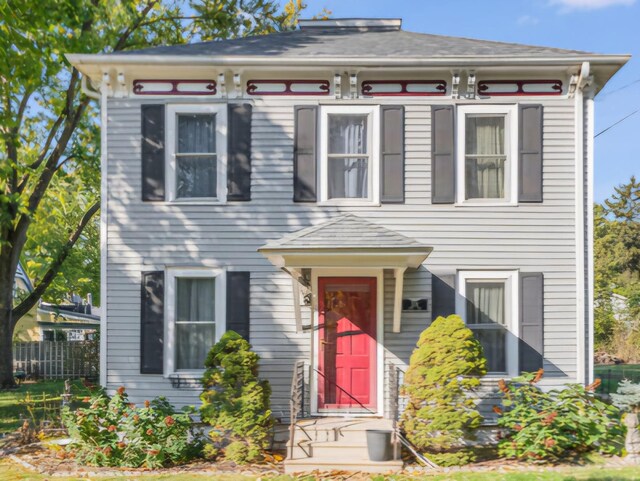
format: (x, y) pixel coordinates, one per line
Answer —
(296, 401)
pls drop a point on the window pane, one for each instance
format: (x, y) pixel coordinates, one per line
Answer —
(196, 176)
(193, 342)
(494, 344)
(348, 134)
(196, 133)
(484, 178)
(484, 135)
(195, 300)
(485, 157)
(485, 303)
(348, 178)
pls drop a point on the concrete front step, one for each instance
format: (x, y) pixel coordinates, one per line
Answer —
(327, 444)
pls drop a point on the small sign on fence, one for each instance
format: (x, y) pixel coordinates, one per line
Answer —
(57, 359)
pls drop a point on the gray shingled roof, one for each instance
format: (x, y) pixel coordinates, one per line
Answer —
(345, 231)
(355, 42)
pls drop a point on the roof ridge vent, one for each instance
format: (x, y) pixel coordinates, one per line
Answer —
(363, 24)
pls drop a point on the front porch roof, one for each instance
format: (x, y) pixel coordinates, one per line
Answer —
(345, 241)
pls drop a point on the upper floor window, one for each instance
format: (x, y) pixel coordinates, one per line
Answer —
(349, 161)
(196, 145)
(487, 157)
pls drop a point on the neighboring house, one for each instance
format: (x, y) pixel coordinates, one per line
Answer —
(327, 192)
(76, 321)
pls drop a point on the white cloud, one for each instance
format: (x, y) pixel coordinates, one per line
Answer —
(569, 5)
(528, 20)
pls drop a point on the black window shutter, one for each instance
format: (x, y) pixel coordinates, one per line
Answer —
(392, 154)
(531, 321)
(152, 129)
(305, 153)
(238, 303)
(239, 152)
(443, 177)
(530, 153)
(152, 323)
(443, 295)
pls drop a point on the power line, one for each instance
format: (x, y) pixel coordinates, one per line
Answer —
(606, 94)
(616, 123)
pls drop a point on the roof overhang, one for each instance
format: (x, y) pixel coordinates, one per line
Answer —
(385, 258)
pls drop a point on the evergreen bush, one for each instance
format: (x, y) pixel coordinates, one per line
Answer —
(443, 371)
(235, 402)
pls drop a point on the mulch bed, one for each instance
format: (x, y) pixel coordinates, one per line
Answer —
(38, 458)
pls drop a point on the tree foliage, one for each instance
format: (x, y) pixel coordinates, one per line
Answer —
(617, 270)
(49, 148)
(234, 401)
(443, 371)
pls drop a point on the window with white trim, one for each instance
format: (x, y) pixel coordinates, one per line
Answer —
(488, 303)
(196, 146)
(487, 154)
(349, 160)
(196, 317)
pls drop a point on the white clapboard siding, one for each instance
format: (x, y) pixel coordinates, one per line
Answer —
(145, 236)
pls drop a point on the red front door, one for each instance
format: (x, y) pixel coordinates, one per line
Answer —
(347, 343)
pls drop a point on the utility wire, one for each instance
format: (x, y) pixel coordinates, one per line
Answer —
(616, 123)
(606, 94)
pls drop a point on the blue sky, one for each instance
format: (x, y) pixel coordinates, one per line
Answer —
(603, 26)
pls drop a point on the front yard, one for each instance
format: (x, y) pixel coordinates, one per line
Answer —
(39, 397)
(10, 471)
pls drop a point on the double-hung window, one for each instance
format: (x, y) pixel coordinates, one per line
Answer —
(349, 167)
(487, 154)
(196, 313)
(196, 144)
(488, 303)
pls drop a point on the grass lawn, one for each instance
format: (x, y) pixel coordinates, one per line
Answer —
(44, 398)
(12, 472)
(612, 374)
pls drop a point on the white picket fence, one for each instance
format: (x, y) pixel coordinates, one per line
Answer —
(57, 359)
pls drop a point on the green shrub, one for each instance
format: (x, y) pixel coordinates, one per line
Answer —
(627, 398)
(538, 425)
(115, 432)
(443, 371)
(234, 401)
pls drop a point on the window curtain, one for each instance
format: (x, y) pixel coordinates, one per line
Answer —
(195, 322)
(485, 174)
(196, 174)
(486, 308)
(348, 177)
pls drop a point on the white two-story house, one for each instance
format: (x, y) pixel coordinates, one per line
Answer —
(327, 192)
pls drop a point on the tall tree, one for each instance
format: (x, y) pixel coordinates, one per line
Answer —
(48, 131)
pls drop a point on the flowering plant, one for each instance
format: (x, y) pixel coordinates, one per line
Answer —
(539, 425)
(114, 432)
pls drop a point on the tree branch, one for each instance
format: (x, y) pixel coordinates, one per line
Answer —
(31, 300)
(122, 41)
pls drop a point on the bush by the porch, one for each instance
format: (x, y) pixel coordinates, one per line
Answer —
(442, 372)
(539, 425)
(235, 402)
(115, 432)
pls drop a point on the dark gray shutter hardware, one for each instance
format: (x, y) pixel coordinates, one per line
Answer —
(443, 295)
(305, 153)
(239, 152)
(531, 329)
(443, 171)
(392, 154)
(239, 303)
(153, 155)
(152, 323)
(530, 153)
